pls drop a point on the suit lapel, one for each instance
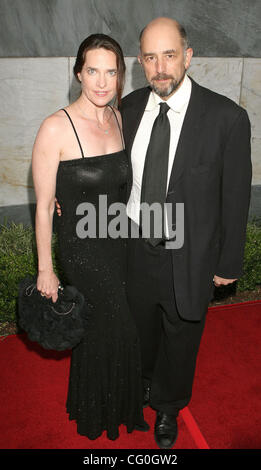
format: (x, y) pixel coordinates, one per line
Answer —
(189, 135)
(134, 115)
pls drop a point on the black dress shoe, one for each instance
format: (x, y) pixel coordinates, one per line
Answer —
(166, 430)
(146, 396)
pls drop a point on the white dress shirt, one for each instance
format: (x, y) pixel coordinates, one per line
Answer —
(178, 104)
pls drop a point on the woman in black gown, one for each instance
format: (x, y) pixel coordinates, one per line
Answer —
(78, 156)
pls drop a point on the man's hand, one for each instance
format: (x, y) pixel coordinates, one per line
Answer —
(58, 207)
(220, 281)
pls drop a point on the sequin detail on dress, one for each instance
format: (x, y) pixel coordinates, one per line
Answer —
(105, 388)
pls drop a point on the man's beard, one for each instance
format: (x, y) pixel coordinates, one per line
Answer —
(174, 84)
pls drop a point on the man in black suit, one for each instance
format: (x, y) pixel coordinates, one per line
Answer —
(209, 173)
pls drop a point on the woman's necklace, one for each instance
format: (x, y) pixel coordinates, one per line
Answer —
(105, 131)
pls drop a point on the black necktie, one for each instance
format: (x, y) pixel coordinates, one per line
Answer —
(154, 180)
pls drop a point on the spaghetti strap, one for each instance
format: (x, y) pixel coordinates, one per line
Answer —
(74, 131)
(123, 145)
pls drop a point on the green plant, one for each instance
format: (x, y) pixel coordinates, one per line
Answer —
(252, 259)
(18, 258)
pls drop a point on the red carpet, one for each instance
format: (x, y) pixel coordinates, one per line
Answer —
(224, 412)
(226, 401)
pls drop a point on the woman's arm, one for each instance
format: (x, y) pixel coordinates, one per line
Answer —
(45, 161)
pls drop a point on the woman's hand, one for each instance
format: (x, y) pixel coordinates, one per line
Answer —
(47, 284)
(58, 207)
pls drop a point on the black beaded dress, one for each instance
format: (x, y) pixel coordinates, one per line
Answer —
(105, 387)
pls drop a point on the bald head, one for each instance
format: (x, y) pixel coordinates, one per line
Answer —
(158, 25)
(164, 55)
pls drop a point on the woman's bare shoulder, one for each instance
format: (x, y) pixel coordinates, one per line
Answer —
(54, 122)
(51, 131)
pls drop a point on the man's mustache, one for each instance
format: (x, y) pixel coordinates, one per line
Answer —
(162, 76)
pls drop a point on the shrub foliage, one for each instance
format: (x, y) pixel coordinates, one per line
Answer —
(18, 258)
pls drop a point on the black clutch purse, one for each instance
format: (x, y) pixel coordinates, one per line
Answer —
(56, 325)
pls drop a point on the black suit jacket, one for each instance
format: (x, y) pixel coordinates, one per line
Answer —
(211, 176)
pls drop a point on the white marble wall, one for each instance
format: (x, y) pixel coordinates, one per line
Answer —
(251, 100)
(30, 90)
(33, 88)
